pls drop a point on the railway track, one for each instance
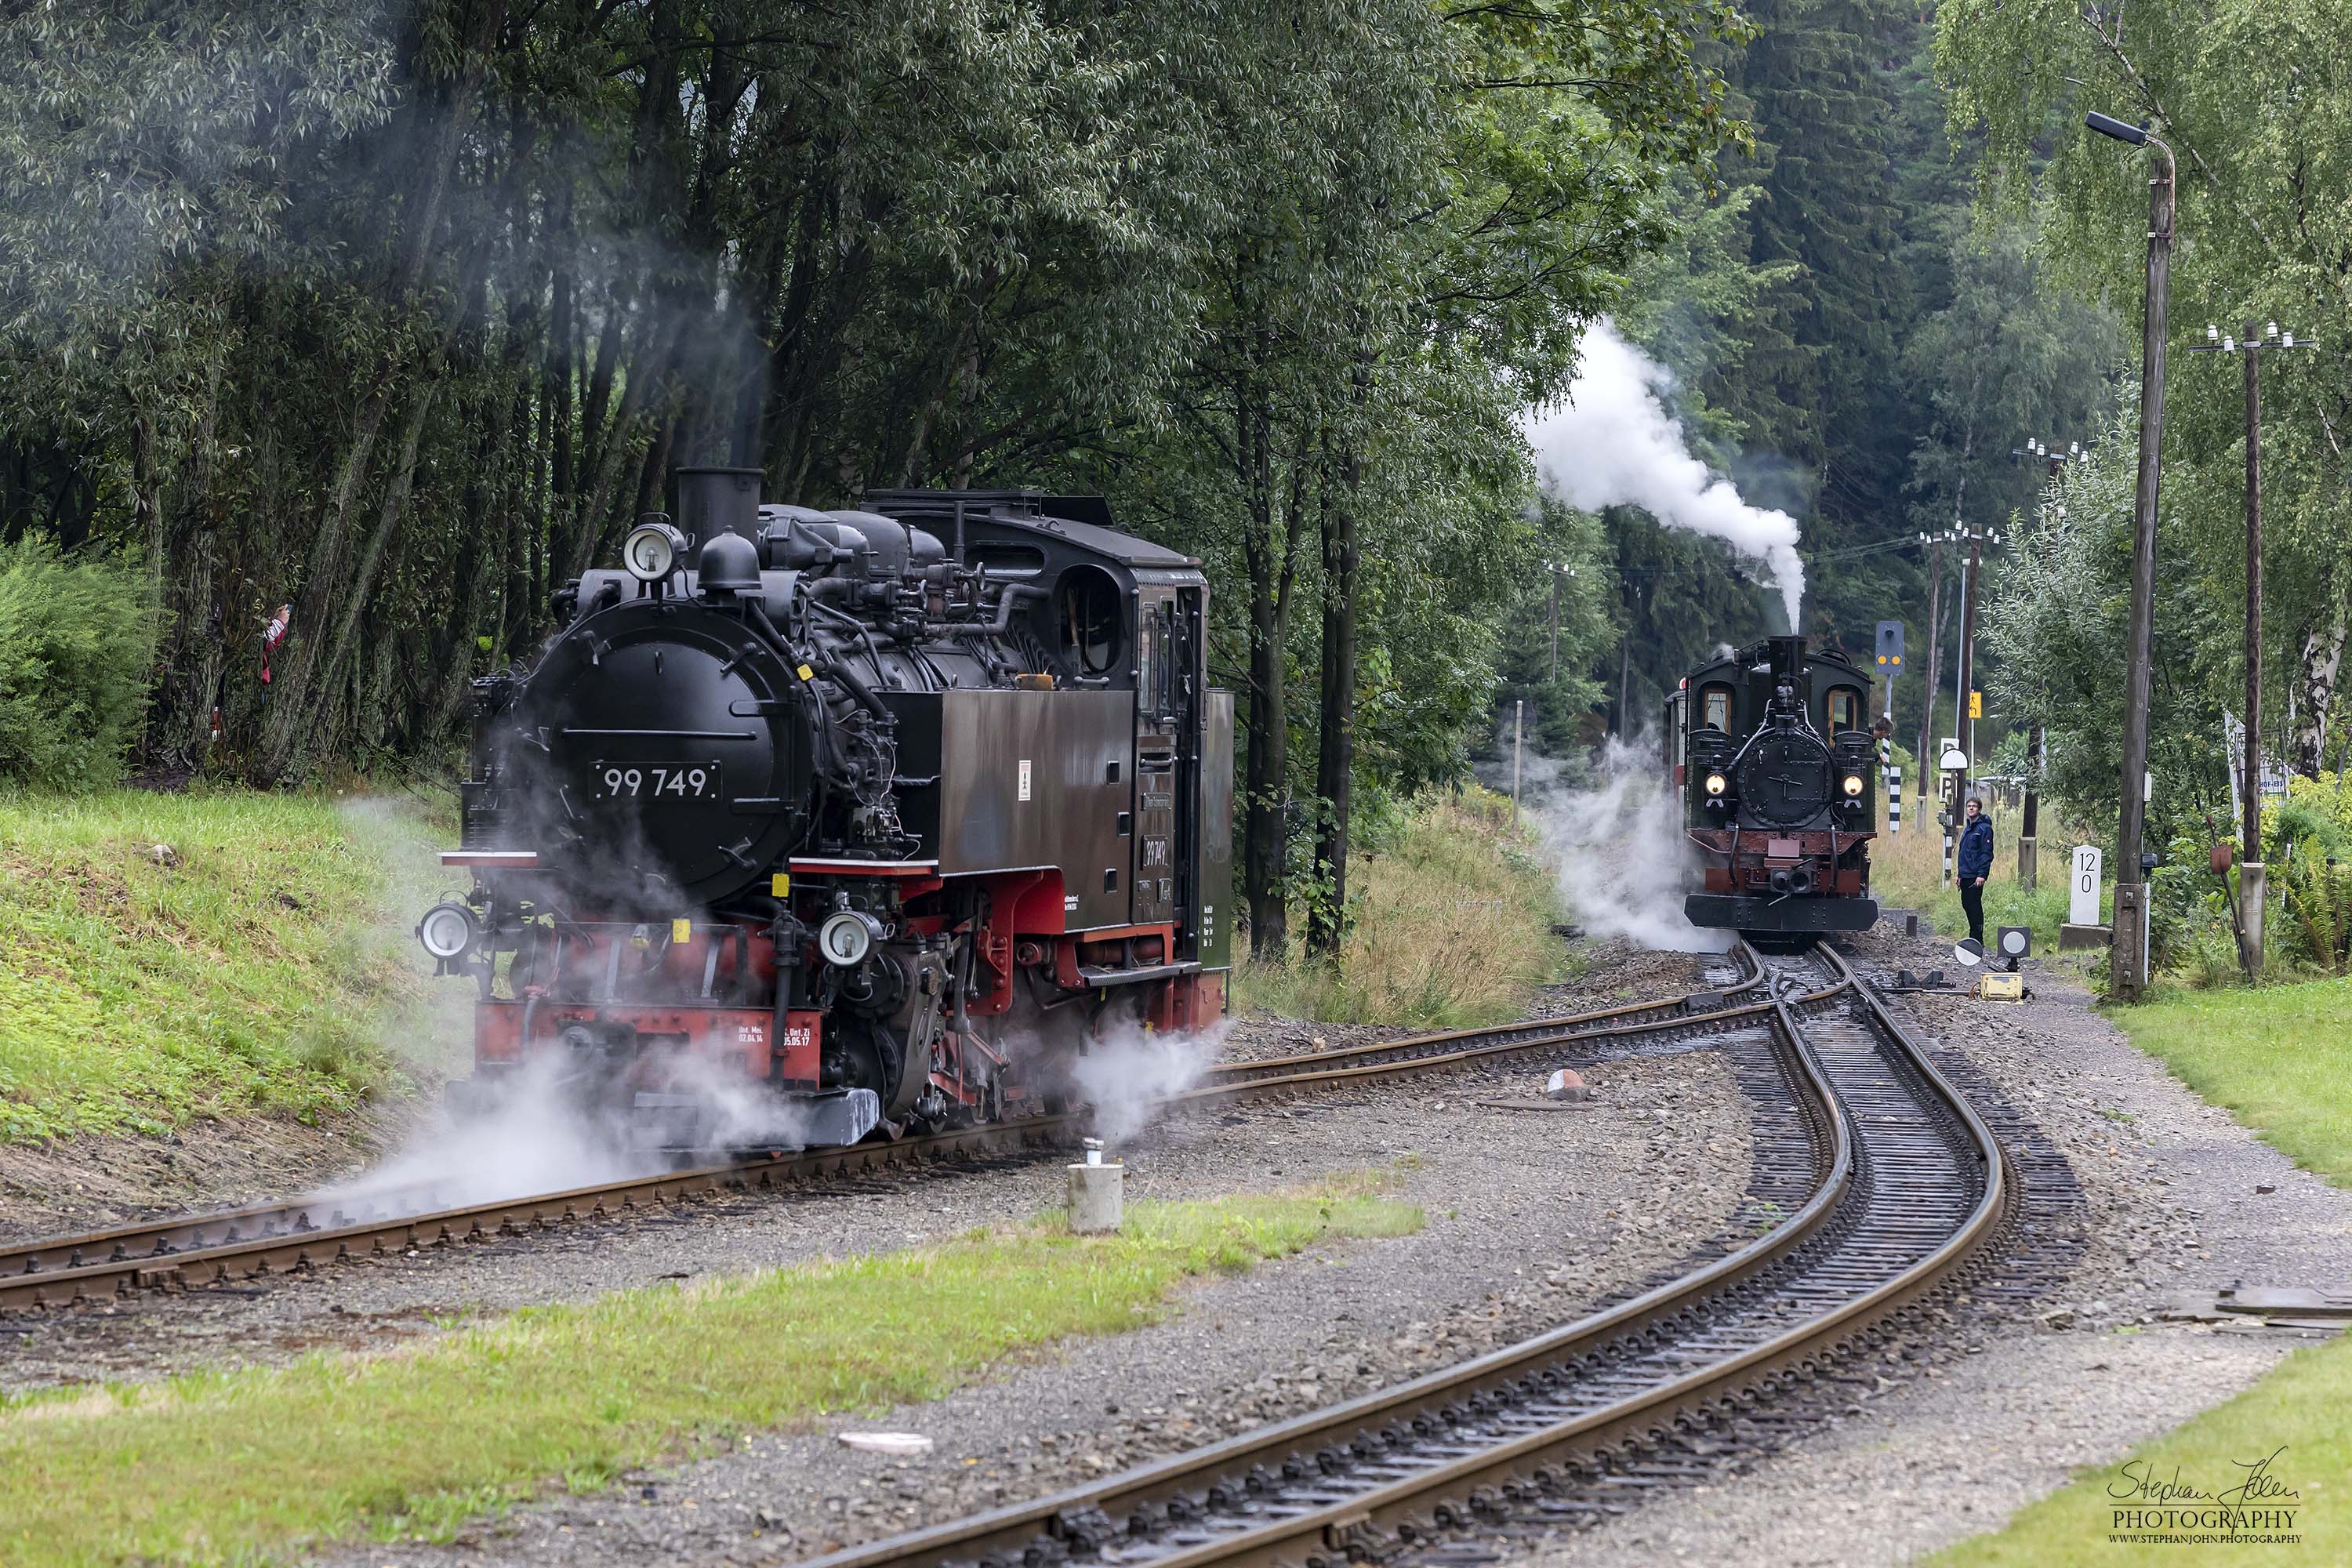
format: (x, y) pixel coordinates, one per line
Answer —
(267, 1240)
(1905, 1186)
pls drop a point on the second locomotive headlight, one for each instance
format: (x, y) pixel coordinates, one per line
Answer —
(1852, 786)
(651, 550)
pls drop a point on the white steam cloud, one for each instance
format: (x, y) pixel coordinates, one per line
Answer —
(1613, 444)
(1127, 1075)
(533, 1134)
(1625, 862)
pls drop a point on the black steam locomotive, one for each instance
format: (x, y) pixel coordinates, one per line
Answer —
(890, 812)
(1768, 750)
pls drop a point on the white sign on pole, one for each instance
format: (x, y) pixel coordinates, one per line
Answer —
(2082, 887)
(2233, 744)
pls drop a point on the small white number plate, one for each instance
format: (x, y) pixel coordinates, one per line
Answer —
(656, 780)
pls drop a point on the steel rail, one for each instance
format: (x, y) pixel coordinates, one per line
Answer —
(262, 1240)
(1550, 1028)
(1276, 1495)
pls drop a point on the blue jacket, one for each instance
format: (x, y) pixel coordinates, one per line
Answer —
(1976, 849)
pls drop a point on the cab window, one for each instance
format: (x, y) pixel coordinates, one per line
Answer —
(1845, 709)
(1714, 708)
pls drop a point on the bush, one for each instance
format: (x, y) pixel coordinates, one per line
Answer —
(2315, 816)
(77, 651)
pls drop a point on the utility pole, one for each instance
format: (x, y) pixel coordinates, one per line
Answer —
(1518, 736)
(1935, 544)
(2127, 971)
(1554, 576)
(1555, 570)
(2251, 875)
(2029, 839)
(1964, 724)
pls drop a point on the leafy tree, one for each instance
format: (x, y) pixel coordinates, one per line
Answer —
(2253, 97)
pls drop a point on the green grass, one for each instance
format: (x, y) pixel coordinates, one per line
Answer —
(1450, 918)
(2279, 1061)
(255, 975)
(252, 1465)
(2300, 1407)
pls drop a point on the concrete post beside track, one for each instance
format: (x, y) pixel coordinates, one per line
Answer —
(1096, 1193)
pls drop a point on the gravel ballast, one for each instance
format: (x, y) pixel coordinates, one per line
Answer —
(384, 1300)
(2005, 1409)
(1532, 1217)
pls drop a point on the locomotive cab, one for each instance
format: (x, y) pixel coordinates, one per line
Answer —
(1773, 767)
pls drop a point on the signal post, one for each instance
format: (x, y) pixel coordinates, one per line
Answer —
(1890, 665)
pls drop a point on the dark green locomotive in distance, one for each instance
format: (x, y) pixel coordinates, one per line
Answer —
(1769, 751)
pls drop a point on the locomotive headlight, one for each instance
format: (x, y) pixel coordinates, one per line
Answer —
(448, 929)
(1717, 783)
(651, 550)
(1852, 785)
(848, 936)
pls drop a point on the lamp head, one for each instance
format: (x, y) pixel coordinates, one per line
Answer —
(2108, 125)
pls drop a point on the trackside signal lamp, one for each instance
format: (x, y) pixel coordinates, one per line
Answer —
(448, 931)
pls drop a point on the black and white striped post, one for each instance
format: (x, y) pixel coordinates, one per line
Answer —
(1890, 665)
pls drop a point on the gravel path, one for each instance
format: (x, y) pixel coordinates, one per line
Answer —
(2005, 1410)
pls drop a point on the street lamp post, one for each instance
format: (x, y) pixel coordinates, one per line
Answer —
(2127, 971)
(2250, 872)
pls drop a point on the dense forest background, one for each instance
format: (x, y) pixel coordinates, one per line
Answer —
(331, 342)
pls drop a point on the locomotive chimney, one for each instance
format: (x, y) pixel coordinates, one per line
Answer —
(1788, 656)
(712, 501)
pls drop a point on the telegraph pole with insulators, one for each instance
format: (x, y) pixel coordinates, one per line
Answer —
(2251, 875)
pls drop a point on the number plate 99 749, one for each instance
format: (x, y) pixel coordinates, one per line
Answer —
(656, 780)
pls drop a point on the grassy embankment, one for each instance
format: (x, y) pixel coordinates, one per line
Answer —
(1450, 925)
(239, 1465)
(264, 970)
(250, 970)
(2277, 1059)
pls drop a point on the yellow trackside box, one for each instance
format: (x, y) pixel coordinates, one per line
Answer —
(2001, 987)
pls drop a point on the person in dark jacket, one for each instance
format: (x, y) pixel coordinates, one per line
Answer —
(1976, 865)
